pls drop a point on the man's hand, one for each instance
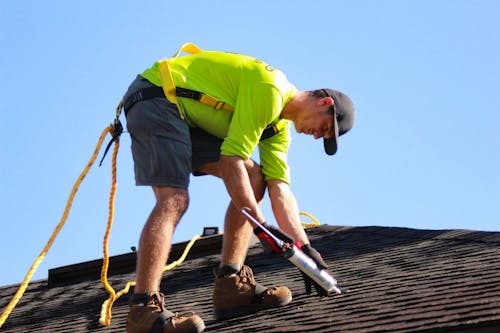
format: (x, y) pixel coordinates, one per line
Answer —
(267, 242)
(314, 255)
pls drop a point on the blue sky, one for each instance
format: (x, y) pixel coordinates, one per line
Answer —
(424, 76)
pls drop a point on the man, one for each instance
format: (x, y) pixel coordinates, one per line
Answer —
(205, 113)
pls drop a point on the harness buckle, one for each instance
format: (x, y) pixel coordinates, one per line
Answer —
(117, 129)
(219, 105)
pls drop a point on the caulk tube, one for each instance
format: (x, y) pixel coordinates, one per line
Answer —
(279, 242)
(303, 262)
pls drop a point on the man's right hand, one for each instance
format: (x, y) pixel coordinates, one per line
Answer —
(269, 245)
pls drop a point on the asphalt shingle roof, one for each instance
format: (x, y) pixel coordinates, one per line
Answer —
(401, 280)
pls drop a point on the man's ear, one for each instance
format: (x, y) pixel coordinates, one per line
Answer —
(328, 101)
(325, 101)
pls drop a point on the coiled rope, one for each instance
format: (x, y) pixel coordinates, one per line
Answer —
(22, 288)
(315, 222)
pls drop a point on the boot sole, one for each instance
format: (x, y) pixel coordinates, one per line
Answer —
(247, 309)
(200, 327)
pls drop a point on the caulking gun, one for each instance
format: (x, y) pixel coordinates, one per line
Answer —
(299, 259)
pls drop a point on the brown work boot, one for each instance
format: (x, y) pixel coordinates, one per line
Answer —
(148, 315)
(237, 294)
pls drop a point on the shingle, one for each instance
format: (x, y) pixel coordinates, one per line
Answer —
(401, 280)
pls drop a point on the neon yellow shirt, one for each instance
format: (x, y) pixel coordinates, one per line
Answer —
(258, 93)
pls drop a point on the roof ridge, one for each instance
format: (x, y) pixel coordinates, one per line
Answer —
(456, 235)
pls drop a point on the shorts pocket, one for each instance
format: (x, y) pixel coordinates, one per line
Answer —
(170, 160)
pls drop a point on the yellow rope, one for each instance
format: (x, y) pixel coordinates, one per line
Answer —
(309, 225)
(22, 288)
(105, 318)
(105, 262)
(184, 254)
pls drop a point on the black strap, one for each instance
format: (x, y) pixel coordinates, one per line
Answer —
(269, 131)
(141, 95)
(154, 92)
(188, 93)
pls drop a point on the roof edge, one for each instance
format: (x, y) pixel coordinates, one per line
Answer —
(125, 263)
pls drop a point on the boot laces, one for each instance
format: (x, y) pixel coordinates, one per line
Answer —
(158, 300)
(247, 275)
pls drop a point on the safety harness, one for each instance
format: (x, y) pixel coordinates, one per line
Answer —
(171, 92)
(155, 92)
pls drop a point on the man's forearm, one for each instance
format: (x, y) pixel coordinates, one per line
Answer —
(286, 210)
(238, 184)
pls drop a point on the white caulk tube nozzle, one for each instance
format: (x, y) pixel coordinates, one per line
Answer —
(309, 267)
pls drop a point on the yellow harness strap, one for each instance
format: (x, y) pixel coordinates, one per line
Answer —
(215, 103)
(168, 84)
(172, 93)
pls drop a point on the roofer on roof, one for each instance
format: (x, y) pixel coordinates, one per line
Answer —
(218, 108)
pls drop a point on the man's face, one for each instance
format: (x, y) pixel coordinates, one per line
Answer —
(316, 121)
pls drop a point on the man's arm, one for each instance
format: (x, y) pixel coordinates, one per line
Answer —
(286, 210)
(286, 213)
(237, 181)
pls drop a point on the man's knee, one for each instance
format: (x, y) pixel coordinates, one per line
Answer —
(171, 199)
(256, 178)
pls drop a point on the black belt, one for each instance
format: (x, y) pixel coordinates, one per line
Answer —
(141, 95)
(154, 92)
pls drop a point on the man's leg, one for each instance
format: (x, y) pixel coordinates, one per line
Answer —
(236, 292)
(237, 231)
(155, 241)
(147, 304)
(161, 149)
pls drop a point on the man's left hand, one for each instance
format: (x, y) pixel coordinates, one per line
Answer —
(314, 255)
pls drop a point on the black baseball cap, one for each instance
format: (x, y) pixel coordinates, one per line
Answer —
(343, 118)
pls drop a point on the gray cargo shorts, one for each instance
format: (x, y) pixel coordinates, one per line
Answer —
(164, 148)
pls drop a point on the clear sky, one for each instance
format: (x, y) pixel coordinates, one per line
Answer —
(424, 76)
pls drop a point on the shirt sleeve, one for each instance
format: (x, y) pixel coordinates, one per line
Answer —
(273, 153)
(257, 105)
